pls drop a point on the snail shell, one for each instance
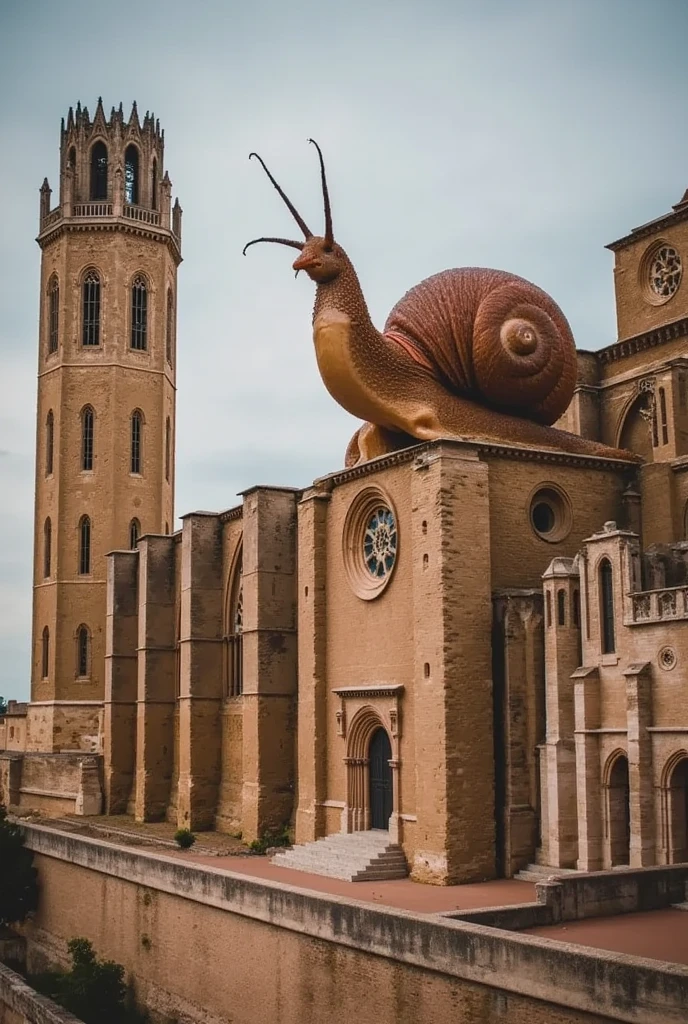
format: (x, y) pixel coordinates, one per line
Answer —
(493, 337)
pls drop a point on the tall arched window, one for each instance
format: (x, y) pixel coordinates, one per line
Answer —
(168, 444)
(71, 158)
(91, 309)
(663, 416)
(234, 659)
(134, 533)
(99, 171)
(607, 607)
(561, 608)
(136, 441)
(169, 327)
(87, 438)
(84, 546)
(47, 544)
(83, 651)
(548, 609)
(131, 175)
(45, 653)
(139, 310)
(154, 185)
(576, 608)
(53, 313)
(49, 442)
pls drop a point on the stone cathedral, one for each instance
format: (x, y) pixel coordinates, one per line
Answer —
(530, 702)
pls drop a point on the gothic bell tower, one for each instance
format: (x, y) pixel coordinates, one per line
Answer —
(106, 400)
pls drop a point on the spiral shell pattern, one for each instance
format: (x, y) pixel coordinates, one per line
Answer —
(493, 337)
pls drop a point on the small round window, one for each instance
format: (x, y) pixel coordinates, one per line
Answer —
(370, 543)
(550, 513)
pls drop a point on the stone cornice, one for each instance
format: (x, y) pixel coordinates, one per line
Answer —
(130, 227)
(231, 514)
(677, 216)
(370, 690)
(426, 450)
(642, 342)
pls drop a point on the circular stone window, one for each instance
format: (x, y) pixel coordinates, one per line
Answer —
(661, 270)
(667, 658)
(550, 513)
(370, 543)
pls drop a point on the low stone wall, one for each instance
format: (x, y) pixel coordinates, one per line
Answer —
(513, 917)
(206, 945)
(598, 894)
(51, 784)
(20, 1004)
(621, 891)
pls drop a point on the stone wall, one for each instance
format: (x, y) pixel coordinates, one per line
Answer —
(53, 784)
(205, 945)
(20, 1004)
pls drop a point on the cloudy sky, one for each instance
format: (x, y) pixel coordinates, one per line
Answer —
(518, 134)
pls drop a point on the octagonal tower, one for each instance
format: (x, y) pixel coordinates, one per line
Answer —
(106, 400)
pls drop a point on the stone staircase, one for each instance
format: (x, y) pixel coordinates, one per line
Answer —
(541, 872)
(355, 857)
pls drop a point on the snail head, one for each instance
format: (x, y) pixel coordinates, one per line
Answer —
(321, 257)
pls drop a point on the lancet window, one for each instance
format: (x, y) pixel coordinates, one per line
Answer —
(91, 309)
(99, 171)
(139, 312)
(53, 314)
(131, 175)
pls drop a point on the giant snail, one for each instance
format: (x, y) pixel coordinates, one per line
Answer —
(470, 353)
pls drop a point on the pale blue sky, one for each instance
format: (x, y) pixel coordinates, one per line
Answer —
(520, 135)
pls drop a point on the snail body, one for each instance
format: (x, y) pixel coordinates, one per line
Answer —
(469, 353)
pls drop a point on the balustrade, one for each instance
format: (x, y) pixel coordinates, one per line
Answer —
(660, 605)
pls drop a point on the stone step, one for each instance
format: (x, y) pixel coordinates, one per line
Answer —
(357, 856)
(315, 865)
(540, 872)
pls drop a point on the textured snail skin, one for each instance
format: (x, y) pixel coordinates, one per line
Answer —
(474, 354)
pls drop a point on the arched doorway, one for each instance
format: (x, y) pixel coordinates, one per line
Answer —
(619, 814)
(380, 784)
(678, 813)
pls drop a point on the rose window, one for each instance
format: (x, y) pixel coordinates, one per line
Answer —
(380, 542)
(665, 271)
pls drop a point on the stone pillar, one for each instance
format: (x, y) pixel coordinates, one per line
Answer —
(156, 678)
(312, 661)
(585, 412)
(657, 492)
(270, 658)
(200, 650)
(588, 778)
(10, 778)
(89, 797)
(562, 658)
(451, 573)
(121, 679)
(518, 680)
(632, 510)
(639, 718)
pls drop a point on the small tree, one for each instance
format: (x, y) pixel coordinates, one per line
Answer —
(18, 876)
(94, 990)
(3, 706)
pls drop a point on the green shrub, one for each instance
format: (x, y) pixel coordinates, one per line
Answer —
(93, 990)
(184, 838)
(18, 876)
(278, 837)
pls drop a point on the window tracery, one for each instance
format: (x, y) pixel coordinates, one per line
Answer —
(91, 309)
(139, 313)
